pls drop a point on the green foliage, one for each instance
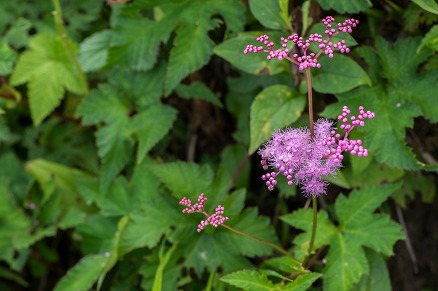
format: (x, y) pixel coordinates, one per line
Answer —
(273, 108)
(114, 112)
(358, 228)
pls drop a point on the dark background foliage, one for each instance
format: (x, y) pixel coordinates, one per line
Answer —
(113, 111)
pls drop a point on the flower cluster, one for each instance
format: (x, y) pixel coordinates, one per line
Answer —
(305, 160)
(307, 59)
(215, 219)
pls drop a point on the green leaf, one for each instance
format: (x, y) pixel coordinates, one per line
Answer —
(385, 134)
(192, 49)
(184, 179)
(346, 263)
(103, 105)
(48, 71)
(135, 42)
(158, 281)
(93, 52)
(338, 75)
(198, 90)
(352, 210)
(400, 60)
(301, 219)
(430, 40)
(83, 275)
(303, 282)
(143, 229)
(232, 51)
(273, 108)
(345, 6)
(428, 5)
(268, 13)
(7, 58)
(378, 277)
(114, 148)
(249, 280)
(151, 125)
(286, 265)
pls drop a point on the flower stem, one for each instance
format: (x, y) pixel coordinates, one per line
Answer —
(57, 14)
(314, 224)
(310, 102)
(274, 246)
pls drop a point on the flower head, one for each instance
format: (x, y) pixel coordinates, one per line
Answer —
(215, 219)
(305, 160)
(306, 59)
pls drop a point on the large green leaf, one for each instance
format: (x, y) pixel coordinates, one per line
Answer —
(151, 125)
(184, 179)
(345, 6)
(273, 108)
(378, 277)
(47, 69)
(358, 227)
(192, 49)
(268, 13)
(135, 41)
(338, 75)
(249, 280)
(93, 52)
(83, 275)
(403, 95)
(428, 5)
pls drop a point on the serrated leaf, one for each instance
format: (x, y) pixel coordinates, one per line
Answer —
(7, 58)
(400, 60)
(301, 219)
(184, 179)
(286, 264)
(268, 14)
(93, 51)
(249, 280)
(143, 229)
(151, 125)
(48, 70)
(345, 6)
(303, 282)
(114, 148)
(385, 134)
(232, 51)
(103, 105)
(338, 75)
(272, 109)
(346, 263)
(83, 275)
(135, 42)
(430, 40)
(198, 90)
(359, 224)
(361, 202)
(192, 49)
(378, 277)
(428, 5)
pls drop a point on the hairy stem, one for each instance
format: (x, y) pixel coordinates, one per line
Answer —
(274, 246)
(310, 102)
(314, 224)
(57, 14)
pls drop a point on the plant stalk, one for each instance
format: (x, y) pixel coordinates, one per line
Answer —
(274, 246)
(310, 102)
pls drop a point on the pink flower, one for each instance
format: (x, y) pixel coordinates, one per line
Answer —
(306, 161)
(215, 219)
